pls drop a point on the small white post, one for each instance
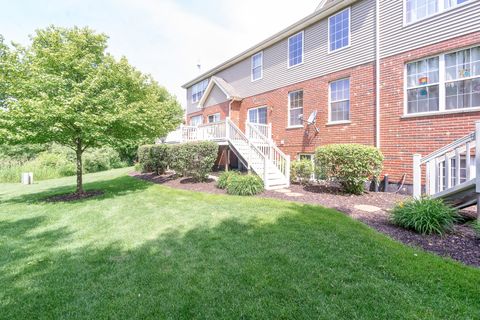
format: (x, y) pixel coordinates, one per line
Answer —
(457, 167)
(477, 165)
(227, 128)
(265, 172)
(27, 178)
(417, 176)
(448, 180)
(287, 170)
(269, 131)
(469, 174)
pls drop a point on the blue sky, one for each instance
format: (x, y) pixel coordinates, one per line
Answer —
(165, 38)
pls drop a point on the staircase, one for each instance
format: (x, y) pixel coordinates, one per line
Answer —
(255, 149)
(452, 172)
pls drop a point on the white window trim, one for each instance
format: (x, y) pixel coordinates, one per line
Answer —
(330, 122)
(289, 126)
(261, 67)
(256, 108)
(441, 10)
(214, 115)
(303, 50)
(441, 88)
(349, 30)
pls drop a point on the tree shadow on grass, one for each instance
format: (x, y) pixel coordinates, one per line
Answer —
(313, 263)
(112, 188)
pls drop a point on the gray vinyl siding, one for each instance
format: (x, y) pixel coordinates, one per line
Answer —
(216, 96)
(397, 38)
(317, 61)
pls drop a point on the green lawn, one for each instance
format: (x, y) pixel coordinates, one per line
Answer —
(147, 251)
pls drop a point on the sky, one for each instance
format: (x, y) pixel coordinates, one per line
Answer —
(164, 38)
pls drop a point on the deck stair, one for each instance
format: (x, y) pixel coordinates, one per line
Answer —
(255, 149)
(452, 173)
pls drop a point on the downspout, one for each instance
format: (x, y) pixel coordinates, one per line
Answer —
(377, 74)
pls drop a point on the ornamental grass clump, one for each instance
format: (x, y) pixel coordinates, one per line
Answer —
(244, 185)
(425, 216)
(224, 179)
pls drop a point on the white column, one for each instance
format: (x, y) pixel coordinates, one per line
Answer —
(417, 176)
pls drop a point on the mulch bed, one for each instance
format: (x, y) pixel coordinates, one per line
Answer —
(462, 244)
(74, 196)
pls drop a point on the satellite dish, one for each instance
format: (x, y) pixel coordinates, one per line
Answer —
(313, 118)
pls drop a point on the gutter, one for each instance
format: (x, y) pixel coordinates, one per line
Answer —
(377, 74)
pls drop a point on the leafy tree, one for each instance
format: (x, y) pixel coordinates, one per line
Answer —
(68, 90)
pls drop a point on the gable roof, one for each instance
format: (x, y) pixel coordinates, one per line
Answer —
(325, 9)
(226, 88)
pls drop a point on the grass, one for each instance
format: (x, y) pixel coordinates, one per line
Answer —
(144, 251)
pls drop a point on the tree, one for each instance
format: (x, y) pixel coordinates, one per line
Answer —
(68, 90)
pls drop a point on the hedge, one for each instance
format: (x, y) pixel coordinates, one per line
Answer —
(350, 164)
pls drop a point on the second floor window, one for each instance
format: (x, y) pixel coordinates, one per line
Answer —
(257, 66)
(339, 30)
(295, 49)
(340, 100)
(198, 90)
(295, 108)
(420, 9)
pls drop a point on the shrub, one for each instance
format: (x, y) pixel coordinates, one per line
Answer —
(476, 227)
(301, 171)
(160, 155)
(101, 159)
(194, 159)
(424, 215)
(244, 185)
(225, 178)
(145, 158)
(350, 164)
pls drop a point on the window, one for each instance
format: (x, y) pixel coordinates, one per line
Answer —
(339, 30)
(198, 90)
(447, 82)
(462, 76)
(295, 108)
(340, 100)
(416, 10)
(295, 49)
(423, 85)
(196, 121)
(258, 115)
(257, 66)
(214, 118)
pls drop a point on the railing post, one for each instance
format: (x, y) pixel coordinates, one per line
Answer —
(287, 170)
(477, 165)
(227, 129)
(265, 172)
(269, 131)
(417, 176)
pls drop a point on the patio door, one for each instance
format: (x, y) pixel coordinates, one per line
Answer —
(258, 115)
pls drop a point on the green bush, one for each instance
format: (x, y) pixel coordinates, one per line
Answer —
(424, 215)
(224, 179)
(476, 227)
(244, 185)
(195, 159)
(301, 171)
(101, 159)
(144, 155)
(350, 164)
(160, 154)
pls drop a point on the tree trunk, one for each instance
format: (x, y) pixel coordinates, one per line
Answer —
(79, 153)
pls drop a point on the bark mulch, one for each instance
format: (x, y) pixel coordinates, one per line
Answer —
(74, 196)
(462, 244)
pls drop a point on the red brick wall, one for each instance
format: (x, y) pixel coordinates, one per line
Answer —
(315, 94)
(221, 108)
(402, 137)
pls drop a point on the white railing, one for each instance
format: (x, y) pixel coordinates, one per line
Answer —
(212, 131)
(269, 149)
(264, 129)
(449, 167)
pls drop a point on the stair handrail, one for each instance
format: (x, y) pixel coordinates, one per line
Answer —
(276, 156)
(439, 175)
(263, 170)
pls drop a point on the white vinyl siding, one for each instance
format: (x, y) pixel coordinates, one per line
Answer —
(196, 120)
(295, 108)
(295, 49)
(214, 118)
(198, 90)
(416, 10)
(339, 30)
(444, 83)
(339, 101)
(257, 66)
